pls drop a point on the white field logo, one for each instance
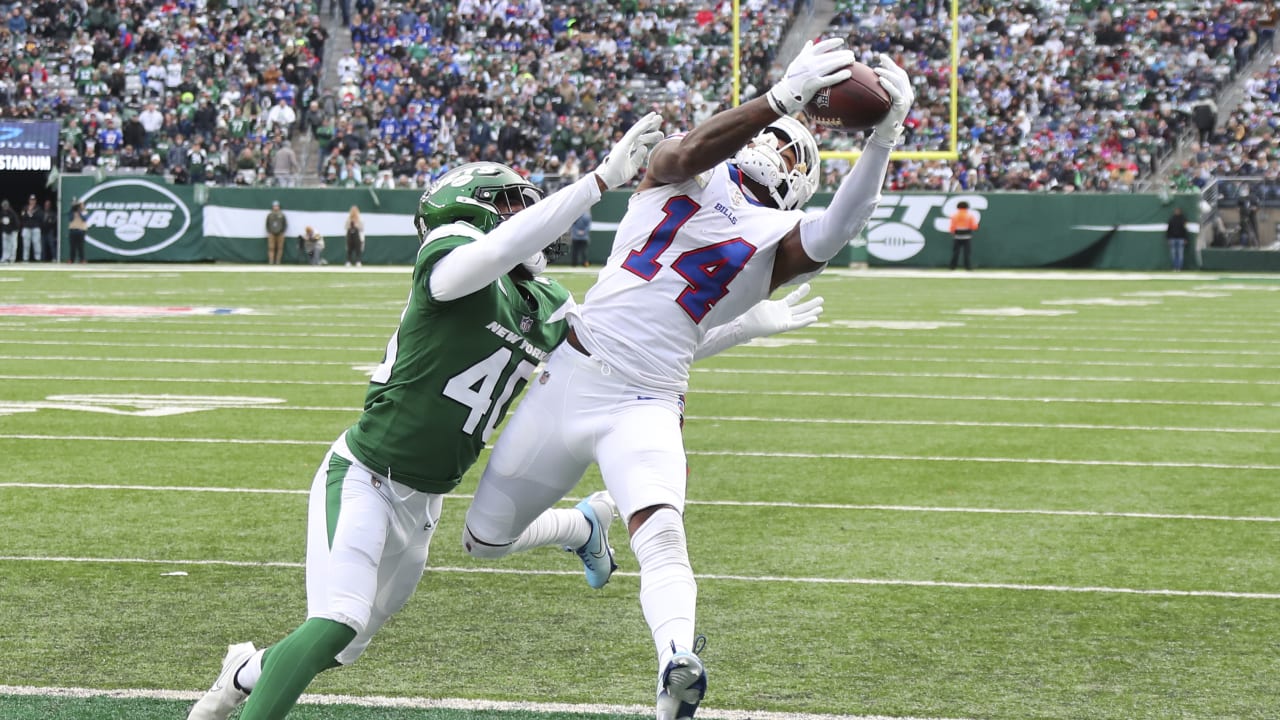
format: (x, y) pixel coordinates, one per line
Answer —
(134, 217)
(894, 232)
(136, 405)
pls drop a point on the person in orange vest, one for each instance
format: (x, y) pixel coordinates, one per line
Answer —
(963, 225)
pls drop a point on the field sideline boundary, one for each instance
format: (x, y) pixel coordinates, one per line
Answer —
(851, 271)
(378, 701)
(870, 582)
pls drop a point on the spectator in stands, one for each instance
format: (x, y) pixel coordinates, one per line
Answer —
(286, 165)
(281, 118)
(71, 161)
(178, 154)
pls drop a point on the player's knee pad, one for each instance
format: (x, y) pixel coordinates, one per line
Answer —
(478, 548)
(660, 536)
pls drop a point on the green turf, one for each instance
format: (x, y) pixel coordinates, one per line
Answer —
(975, 516)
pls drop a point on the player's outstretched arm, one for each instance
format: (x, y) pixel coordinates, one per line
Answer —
(630, 153)
(819, 237)
(726, 132)
(473, 266)
(767, 317)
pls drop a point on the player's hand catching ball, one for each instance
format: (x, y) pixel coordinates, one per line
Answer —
(816, 67)
(894, 80)
(630, 153)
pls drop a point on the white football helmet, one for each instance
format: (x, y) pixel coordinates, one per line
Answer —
(762, 161)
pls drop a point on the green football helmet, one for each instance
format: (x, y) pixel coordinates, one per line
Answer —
(471, 193)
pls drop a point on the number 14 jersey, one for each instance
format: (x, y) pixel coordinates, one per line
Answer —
(686, 258)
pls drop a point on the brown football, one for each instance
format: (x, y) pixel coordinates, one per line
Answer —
(854, 105)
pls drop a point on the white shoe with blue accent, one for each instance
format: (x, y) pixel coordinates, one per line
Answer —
(684, 683)
(596, 555)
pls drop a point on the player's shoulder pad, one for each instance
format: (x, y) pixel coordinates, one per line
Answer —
(452, 230)
(440, 242)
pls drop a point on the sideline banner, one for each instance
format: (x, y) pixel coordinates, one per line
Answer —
(1025, 230)
(134, 218)
(28, 144)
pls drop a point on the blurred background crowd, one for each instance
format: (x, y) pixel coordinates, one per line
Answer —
(1054, 95)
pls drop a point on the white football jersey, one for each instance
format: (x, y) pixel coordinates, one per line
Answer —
(686, 258)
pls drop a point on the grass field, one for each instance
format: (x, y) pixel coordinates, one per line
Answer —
(992, 496)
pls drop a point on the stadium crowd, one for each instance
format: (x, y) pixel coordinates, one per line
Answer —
(1058, 95)
(1053, 95)
(164, 86)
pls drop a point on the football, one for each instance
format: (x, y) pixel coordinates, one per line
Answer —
(854, 105)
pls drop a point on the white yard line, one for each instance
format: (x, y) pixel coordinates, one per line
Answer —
(711, 503)
(894, 582)
(1128, 380)
(1073, 362)
(364, 356)
(491, 706)
(985, 398)
(998, 460)
(966, 423)
(709, 453)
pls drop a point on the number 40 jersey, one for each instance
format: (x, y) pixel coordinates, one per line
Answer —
(452, 369)
(687, 257)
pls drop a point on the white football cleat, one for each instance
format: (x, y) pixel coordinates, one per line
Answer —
(224, 696)
(684, 683)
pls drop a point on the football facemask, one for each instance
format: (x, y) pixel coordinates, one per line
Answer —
(764, 160)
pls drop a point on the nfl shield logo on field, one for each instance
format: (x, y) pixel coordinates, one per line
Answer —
(526, 323)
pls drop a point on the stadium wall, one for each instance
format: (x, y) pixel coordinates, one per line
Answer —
(136, 219)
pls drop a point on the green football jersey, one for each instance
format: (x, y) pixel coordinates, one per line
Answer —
(451, 371)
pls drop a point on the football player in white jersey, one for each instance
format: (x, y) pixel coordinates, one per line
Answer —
(713, 229)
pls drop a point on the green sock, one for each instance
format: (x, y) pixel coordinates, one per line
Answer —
(290, 665)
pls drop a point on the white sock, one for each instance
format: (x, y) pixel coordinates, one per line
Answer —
(562, 528)
(248, 674)
(668, 592)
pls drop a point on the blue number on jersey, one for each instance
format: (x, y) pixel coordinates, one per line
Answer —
(707, 270)
(644, 262)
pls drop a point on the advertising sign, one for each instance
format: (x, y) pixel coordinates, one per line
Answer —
(28, 145)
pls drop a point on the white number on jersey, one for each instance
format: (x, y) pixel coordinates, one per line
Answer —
(473, 388)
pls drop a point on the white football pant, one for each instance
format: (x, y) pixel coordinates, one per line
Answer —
(578, 411)
(367, 542)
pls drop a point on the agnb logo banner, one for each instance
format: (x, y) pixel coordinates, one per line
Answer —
(134, 217)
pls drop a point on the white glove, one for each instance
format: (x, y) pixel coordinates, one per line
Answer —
(770, 317)
(894, 80)
(767, 317)
(816, 67)
(629, 154)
